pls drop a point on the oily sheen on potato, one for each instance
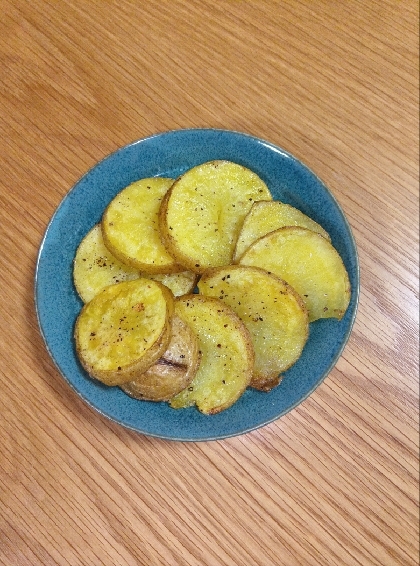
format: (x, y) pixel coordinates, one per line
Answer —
(202, 213)
(266, 216)
(124, 330)
(309, 263)
(130, 227)
(227, 355)
(173, 371)
(271, 310)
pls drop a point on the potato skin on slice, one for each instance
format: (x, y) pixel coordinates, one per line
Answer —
(173, 372)
(227, 355)
(272, 311)
(95, 267)
(124, 329)
(131, 230)
(202, 213)
(266, 216)
(309, 263)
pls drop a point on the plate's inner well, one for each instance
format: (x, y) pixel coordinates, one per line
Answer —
(169, 155)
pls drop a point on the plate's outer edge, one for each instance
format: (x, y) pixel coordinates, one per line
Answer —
(214, 144)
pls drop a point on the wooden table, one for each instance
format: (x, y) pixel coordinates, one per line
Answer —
(335, 481)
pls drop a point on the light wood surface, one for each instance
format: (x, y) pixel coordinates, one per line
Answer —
(334, 482)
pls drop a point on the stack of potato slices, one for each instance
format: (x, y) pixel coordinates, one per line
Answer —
(264, 271)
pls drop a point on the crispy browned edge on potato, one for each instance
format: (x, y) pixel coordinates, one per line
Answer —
(172, 372)
(139, 366)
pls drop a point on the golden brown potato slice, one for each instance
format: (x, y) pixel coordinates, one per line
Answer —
(179, 283)
(266, 216)
(95, 267)
(271, 310)
(309, 263)
(124, 329)
(202, 213)
(173, 372)
(227, 355)
(130, 227)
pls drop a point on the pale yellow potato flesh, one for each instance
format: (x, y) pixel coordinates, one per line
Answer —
(202, 213)
(180, 284)
(172, 372)
(124, 329)
(309, 263)
(227, 355)
(130, 227)
(266, 216)
(271, 310)
(95, 267)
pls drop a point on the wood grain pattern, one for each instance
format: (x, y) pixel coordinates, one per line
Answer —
(334, 482)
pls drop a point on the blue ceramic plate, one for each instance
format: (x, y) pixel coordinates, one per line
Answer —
(170, 154)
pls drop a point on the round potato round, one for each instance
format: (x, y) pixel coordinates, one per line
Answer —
(309, 263)
(124, 329)
(271, 310)
(173, 372)
(130, 227)
(227, 355)
(266, 216)
(95, 267)
(202, 213)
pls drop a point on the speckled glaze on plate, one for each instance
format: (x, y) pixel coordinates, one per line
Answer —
(170, 154)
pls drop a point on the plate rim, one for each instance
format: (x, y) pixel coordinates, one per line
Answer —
(355, 289)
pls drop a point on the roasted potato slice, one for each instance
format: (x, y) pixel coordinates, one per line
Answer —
(309, 263)
(173, 372)
(179, 283)
(124, 329)
(130, 227)
(273, 312)
(95, 267)
(202, 213)
(266, 216)
(227, 355)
